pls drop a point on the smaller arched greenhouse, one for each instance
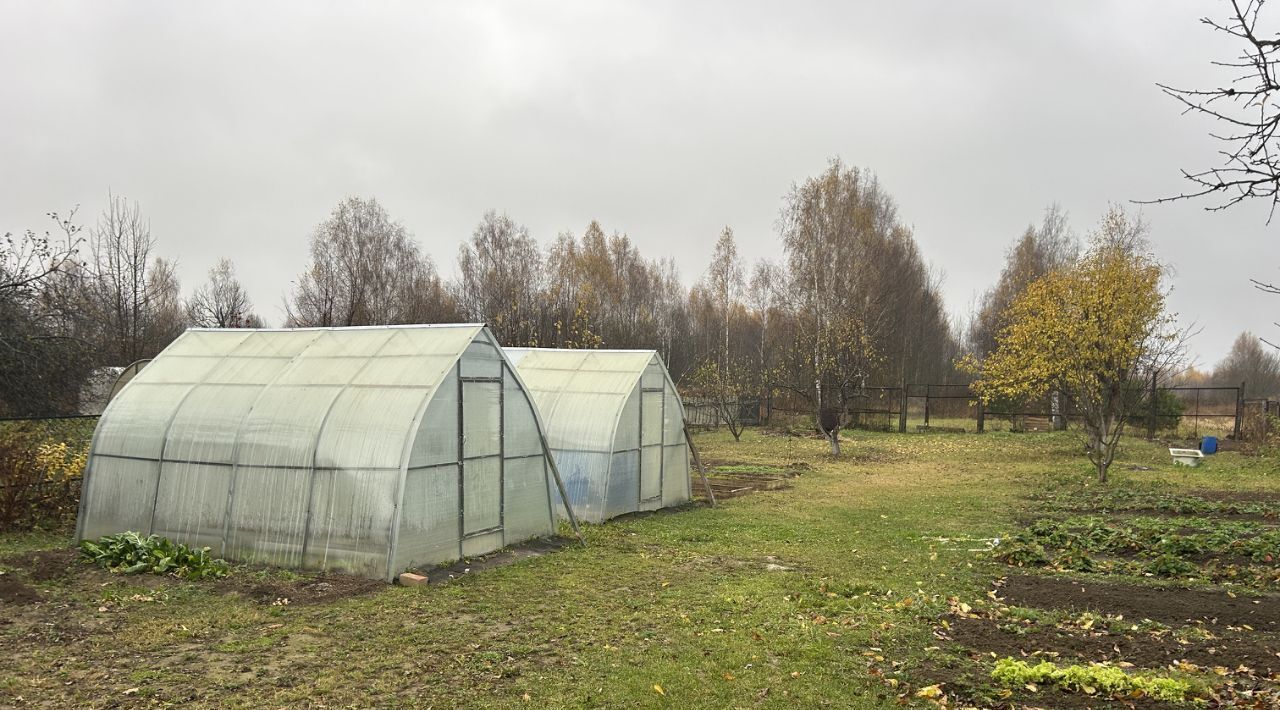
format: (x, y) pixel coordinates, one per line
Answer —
(615, 425)
(366, 450)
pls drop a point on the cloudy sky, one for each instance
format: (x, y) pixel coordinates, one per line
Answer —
(238, 126)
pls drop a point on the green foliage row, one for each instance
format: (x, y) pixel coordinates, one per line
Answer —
(130, 553)
(1120, 500)
(1093, 678)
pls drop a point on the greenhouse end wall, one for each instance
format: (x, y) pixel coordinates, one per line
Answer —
(615, 425)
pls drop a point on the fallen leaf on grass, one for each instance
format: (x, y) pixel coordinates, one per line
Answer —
(658, 689)
(930, 691)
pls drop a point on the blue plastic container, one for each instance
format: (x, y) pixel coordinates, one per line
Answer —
(1209, 445)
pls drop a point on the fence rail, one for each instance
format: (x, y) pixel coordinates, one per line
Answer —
(1181, 411)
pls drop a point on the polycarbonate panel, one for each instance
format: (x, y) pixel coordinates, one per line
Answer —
(120, 496)
(584, 482)
(366, 427)
(520, 427)
(322, 371)
(481, 419)
(651, 418)
(283, 343)
(283, 428)
(481, 494)
(192, 503)
(675, 474)
(363, 343)
(650, 473)
(437, 438)
(481, 360)
(525, 495)
(429, 518)
(655, 375)
(673, 416)
(248, 370)
(405, 370)
(579, 421)
(188, 368)
(268, 515)
(482, 544)
(350, 525)
(624, 484)
(205, 343)
(628, 434)
(135, 422)
(204, 427)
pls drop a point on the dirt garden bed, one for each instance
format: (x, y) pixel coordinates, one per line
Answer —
(1151, 592)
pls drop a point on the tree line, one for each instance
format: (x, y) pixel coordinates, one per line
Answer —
(850, 302)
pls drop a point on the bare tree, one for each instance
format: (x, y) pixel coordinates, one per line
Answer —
(1248, 362)
(831, 226)
(1038, 251)
(222, 302)
(366, 269)
(500, 279)
(724, 281)
(43, 357)
(134, 295)
(1246, 106)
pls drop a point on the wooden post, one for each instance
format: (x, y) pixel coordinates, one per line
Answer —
(902, 411)
(926, 404)
(982, 416)
(697, 461)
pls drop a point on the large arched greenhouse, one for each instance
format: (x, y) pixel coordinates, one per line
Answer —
(615, 425)
(365, 450)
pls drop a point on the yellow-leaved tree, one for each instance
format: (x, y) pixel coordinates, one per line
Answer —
(1092, 330)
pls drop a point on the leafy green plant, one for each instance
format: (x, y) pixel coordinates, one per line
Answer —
(1094, 678)
(130, 553)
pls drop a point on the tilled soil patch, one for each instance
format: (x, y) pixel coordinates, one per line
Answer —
(14, 591)
(307, 590)
(1169, 605)
(1258, 651)
(45, 565)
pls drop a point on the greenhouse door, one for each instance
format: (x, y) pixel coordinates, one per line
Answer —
(480, 519)
(651, 404)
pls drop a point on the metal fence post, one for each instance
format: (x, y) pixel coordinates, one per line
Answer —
(1151, 410)
(982, 416)
(902, 411)
(927, 389)
(1235, 431)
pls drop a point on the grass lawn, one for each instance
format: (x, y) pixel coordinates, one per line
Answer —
(833, 592)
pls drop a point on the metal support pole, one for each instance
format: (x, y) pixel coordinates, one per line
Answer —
(564, 495)
(1151, 410)
(1235, 430)
(927, 389)
(697, 462)
(902, 411)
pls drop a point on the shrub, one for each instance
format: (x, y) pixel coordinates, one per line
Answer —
(130, 553)
(40, 475)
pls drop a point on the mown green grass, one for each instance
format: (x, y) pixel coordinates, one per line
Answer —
(679, 608)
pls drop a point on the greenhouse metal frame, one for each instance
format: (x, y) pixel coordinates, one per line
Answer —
(615, 425)
(368, 450)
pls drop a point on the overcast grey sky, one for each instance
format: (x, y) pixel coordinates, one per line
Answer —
(238, 126)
